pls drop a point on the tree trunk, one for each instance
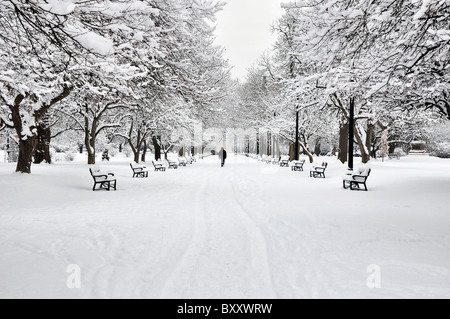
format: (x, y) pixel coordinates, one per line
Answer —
(136, 156)
(26, 148)
(334, 150)
(343, 142)
(369, 140)
(89, 143)
(365, 152)
(157, 148)
(291, 152)
(42, 151)
(317, 147)
(91, 158)
(144, 151)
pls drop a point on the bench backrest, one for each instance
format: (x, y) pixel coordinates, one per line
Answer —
(96, 173)
(362, 174)
(94, 170)
(91, 171)
(137, 167)
(363, 171)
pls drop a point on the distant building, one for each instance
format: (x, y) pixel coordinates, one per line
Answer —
(418, 147)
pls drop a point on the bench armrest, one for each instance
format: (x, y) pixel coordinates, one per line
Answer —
(100, 175)
(359, 178)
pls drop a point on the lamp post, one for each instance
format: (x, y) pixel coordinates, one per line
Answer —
(296, 150)
(351, 133)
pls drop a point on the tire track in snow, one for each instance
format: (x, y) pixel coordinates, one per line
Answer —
(260, 256)
(187, 262)
(227, 254)
(296, 256)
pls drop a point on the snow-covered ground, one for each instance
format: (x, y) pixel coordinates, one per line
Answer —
(248, 230)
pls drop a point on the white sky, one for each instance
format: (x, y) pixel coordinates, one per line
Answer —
(244, 29)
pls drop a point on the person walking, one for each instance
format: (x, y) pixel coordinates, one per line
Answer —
(222, 156)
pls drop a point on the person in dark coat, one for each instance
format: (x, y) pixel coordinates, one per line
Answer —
(222, 156)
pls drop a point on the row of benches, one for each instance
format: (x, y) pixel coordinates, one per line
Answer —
(354, 180)
(283, 161)
(141, 171)
(106, 180)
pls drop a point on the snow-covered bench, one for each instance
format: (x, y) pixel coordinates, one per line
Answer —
(189, 159)
(357, 178)
(182, 161)
(318, 171)
(172, 164)
(297, 165)
(105, 180)
(275, 161)
(284, 161)
(159, 166)
(139, 170)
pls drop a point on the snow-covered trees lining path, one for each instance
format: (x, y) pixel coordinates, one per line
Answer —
(86, 58)
(392, 56)
(135, 71)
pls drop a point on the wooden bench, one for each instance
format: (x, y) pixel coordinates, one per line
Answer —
(394, 155)
(354, 180)
(105, 180)
(139, 170)
(297, 165)
(172, 164)
(284, 161)
(182, 161)
(318, 171)
(189, 160)
(159, 166)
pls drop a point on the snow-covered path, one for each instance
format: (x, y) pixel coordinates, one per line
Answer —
(227, 254)
(248, 230)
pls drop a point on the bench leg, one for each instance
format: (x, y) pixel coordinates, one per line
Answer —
(346, 184)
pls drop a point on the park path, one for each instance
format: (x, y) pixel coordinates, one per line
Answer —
(227, 254)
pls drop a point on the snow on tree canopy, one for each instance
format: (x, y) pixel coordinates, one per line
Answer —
(58, 7)
(294, 4)
(423, 9)
(91, 40)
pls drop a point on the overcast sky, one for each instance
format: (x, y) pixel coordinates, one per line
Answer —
(244, 29)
